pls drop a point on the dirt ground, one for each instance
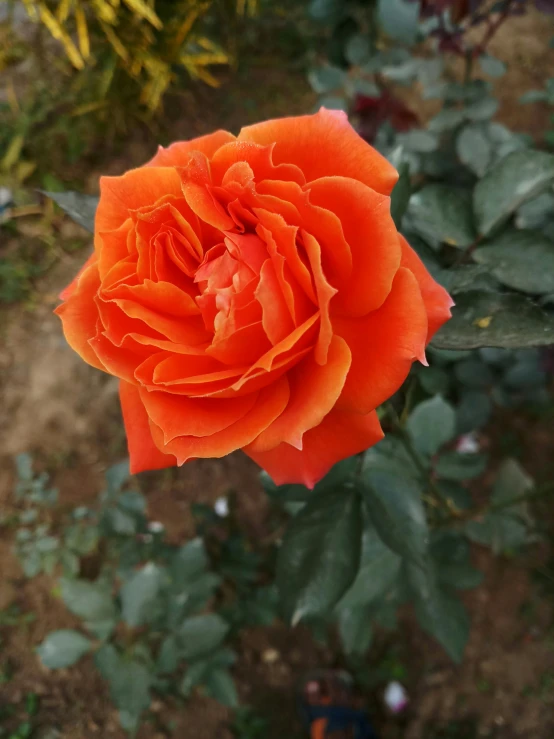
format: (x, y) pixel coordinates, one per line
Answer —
(67, 415)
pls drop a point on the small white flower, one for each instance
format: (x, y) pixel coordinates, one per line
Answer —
(155, 527)
(468, 444)
(396, 698)
(5, 196)
(221, 507)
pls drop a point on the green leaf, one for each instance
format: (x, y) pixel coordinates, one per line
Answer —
(474, 374)
(358, 49)
(220, 685)
(421, 142)
(169, 655)
(379, 570)
(129, 683)
(456, 466)
(473, 411)
(451, 555)
(80, 208)
(443, 214)
(399, 19)
(24, 467)
(446, 120)
(468, 277)
(481, 110)
(188, 563)
(433, 380)
(483, 319)
(518, 177)
(320, 554)
(63, 648)
(492, 66)
(400, 196)
(355, 629)
(199, 635)
(365, 87)
(444, 617)
(523, 260)
(140, 595)
(334, 102)
(431, 425)
(474, 149)
(390, 455)
(536, 213)
(117, 475)
(506, 529)
(394, 504)
(327, 79)
(533, 96)
(92, 602)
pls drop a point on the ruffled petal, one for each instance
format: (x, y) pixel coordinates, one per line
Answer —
(270, 403)
(136, 188)
(437, 301)
(79, 314)
(143, 453)
(373, 239)
(314, 391)
(384, 345)
(324, 144)
(178, 154)
(339, 435)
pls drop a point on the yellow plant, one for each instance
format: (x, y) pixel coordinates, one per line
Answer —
(148, 39)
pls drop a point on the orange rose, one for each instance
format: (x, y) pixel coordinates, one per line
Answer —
(253, 293)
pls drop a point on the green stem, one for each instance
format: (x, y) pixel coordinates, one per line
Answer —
(469, 67)
(438, 497)
(464, 517)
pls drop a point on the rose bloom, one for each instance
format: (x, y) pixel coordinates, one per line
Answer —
(253, 293)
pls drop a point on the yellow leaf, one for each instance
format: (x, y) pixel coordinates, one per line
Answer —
(82, 31)
(118, 47)
(24, 170)
(31, 9)
(483, 322)
(13, 102)
(63, 10)
(88, 108)
(12, 154)
(104, 11)
(144, 11)
(60, 35)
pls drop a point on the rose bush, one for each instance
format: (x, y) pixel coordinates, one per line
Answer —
(253, 292)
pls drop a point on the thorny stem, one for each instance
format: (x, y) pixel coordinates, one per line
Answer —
(492, 29)
(438, 498)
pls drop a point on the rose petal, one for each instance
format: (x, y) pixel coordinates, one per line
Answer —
(437, 301)
(79, 314)
(178, 154)
(338, 436)
(372, 236)
(259, 160)
(324, 144)
(143, 453)
(276, 318)
(314, 391)
(177, 415)
(384, 345)
(270, 403)
(324, 294)
(136, 188)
